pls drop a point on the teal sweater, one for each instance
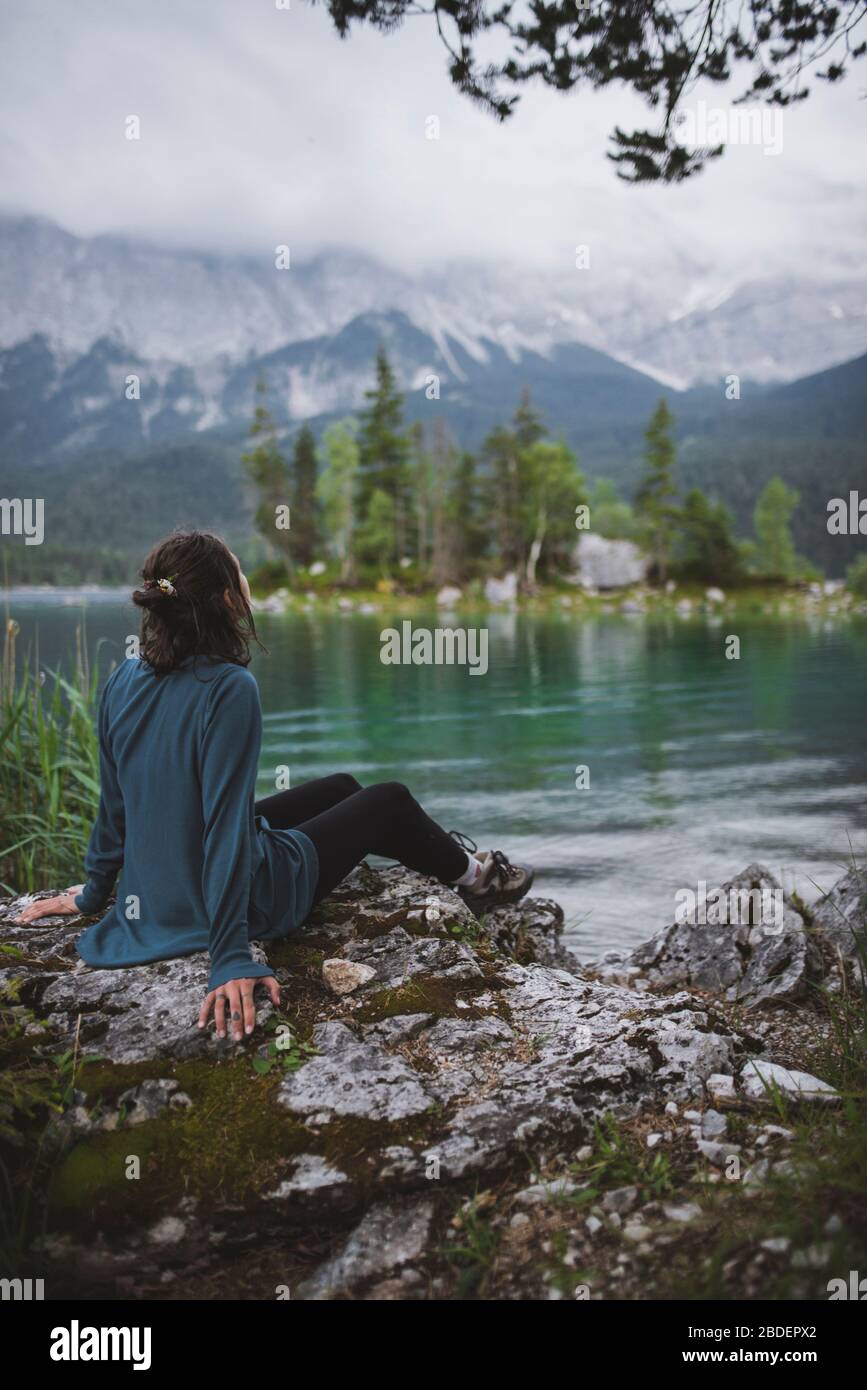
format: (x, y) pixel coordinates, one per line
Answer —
(178, 756)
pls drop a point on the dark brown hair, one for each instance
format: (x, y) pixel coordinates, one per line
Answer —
(192, 617)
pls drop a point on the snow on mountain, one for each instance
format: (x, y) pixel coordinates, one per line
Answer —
(209, 314)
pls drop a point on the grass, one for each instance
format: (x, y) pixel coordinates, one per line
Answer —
(619, 1160)
(49, 768)
(818, 1206)
(35, 1087)
(471, 1254)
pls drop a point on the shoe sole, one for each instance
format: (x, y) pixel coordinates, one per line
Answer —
(501, 899)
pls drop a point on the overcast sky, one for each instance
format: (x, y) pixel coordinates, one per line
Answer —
(259, 126)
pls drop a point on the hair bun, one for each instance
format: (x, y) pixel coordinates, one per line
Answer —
(148, 598)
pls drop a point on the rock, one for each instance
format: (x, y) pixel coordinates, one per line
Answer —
(389, 1236)
(314, 1183)
(840, 919)
(146, 1101)
(760, 1079)
(776, 1245)
(399, 1161)
(353, 1077)
(396, 957)
(168, 1231)
(452, 1063)
(529, 932)
(635, 1232)
(344, 976)
(721, 1088)
(609, 564)
(141, 1014)
(716, 1153)
(464, 1036)
(682, 1212)
(813, 1257)
(400, 1028)
(713, 1124)
(503, 590)
(752, 961)
(653, 1140)
(448, 596)
(757, 1174)
(620, 1199)
(543, 1192)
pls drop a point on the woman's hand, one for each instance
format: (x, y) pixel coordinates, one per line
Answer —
(63, 905)
(238, 994)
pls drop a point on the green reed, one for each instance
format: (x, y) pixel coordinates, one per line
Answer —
(49, 768)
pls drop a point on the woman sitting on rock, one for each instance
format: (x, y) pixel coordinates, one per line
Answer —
(203, 866)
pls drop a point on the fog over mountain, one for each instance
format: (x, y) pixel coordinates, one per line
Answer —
(208, 312)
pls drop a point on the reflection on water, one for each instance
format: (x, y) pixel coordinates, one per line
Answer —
(698, 765)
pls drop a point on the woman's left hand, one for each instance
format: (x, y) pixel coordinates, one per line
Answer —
(238, 995)
(63, 905)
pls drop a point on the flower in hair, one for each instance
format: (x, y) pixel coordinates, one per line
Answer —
(165, 584)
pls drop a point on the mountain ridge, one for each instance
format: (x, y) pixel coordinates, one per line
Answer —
(198, 308)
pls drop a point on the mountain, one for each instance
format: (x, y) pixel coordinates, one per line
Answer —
(56, 409)
(678, 322)
(83, 317)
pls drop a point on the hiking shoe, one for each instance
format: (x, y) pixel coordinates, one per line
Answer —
(499, 882)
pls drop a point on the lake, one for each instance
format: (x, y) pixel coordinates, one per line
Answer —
(697, 764)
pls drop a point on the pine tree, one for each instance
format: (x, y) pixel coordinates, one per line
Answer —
(421, 497)
(527, 422)
(610, 516)
(466, 517)
(771, 519)
(654, 500)
(305, 521)
(336, 490)
(376, 532)
(705, 548)
(269, 472)
(502, 451)
(442, 467)
(384, 461)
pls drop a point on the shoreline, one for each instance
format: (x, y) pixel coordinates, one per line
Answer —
(822, 599)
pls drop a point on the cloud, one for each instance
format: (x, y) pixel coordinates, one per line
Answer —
(259, 126)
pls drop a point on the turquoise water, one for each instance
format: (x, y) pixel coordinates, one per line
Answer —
(697, 764)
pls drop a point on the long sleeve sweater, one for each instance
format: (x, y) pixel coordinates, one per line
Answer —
(199, 870)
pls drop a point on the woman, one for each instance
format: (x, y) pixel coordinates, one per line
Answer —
(202, 865)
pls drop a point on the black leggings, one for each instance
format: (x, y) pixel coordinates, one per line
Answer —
(346, 821)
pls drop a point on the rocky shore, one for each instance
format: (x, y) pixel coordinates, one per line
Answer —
(441, 1108)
